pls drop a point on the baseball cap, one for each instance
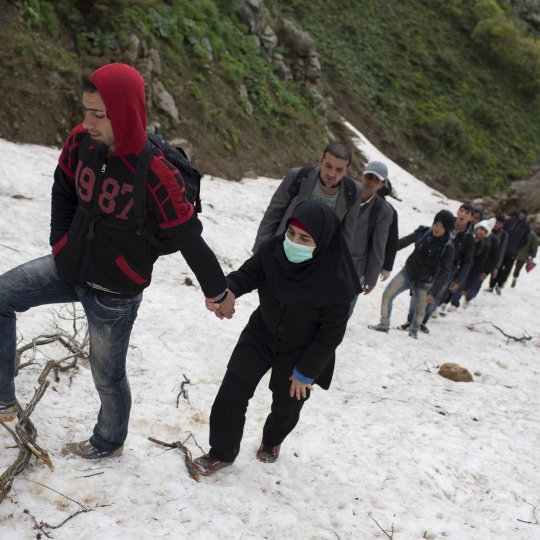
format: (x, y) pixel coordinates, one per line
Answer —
(379, 169)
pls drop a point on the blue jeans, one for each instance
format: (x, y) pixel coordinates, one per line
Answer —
(402, 282)
(110, 320)
(474, 289)
(430, 308)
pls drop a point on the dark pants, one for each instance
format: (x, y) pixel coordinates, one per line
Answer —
(228, 414)
(504, 270)
(518, 267)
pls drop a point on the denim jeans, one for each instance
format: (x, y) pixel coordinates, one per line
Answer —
(402, 282)
(474, 289)
(430, 308)
(110, 320)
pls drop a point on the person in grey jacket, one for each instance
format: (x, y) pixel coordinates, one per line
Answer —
(327, 183)
(352, 202)
(374, 219)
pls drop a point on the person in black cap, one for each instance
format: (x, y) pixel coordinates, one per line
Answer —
(425, 272)
(306, 280)
(518, 230)
(463, 243)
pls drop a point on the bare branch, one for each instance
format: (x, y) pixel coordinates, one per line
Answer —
(183, 391)
(188, 459)
(392, 530)
(535, 522)
(524, 337)
(25, 433)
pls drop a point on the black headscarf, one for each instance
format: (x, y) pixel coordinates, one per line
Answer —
(327, 279)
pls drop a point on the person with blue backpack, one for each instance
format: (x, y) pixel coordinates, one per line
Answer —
(425, 272)
(103, 245)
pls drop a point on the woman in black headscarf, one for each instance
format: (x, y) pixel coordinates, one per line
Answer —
(306, 280)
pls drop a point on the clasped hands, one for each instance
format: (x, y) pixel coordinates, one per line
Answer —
(223, 310)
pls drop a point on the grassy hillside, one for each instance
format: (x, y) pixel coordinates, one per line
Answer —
(206, 54)
(448, 88)
(446, 82)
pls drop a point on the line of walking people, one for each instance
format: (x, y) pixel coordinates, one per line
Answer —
(324, 240)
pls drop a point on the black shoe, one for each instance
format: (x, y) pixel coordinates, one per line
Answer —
(268, 454)
(424, 328)
(404, 326)
(207, 465)
(87, 450)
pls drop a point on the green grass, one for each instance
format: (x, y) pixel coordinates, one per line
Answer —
(422, 72)
(455, 83)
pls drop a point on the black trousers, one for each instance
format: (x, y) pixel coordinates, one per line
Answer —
(228, 414)
(504, 270)
(518, 267)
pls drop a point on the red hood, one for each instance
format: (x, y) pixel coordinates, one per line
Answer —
(122, 89)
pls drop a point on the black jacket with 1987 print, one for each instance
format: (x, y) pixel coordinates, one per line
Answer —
(93, 229)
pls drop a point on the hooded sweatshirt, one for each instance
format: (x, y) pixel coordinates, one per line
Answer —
(93, 225)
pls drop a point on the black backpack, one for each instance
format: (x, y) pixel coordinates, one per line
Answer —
(192, 182)
(348, 185)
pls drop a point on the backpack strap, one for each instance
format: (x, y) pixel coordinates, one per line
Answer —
(294, 188)
(349, 186)
(139, 186)
(421, 237)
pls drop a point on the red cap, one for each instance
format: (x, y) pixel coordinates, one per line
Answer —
(296, 223)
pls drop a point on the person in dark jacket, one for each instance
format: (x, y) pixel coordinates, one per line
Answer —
(479, 269)
(425, 273)
(499, 239)
(525, 256)
(305, 279)
(518, 229)
(98, 259)
(463, 243)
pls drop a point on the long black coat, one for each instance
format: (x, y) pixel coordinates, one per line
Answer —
(284, 337)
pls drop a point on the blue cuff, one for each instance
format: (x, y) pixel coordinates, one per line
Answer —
(302, 378)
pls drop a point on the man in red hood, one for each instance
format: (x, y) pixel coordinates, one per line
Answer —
(98, 259)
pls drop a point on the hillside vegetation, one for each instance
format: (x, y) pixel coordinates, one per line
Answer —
(448, 88)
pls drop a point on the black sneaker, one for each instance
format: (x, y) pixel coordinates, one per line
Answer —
(207, 465)
(87, 450)
(424, 328)
(8, 413)
(268, 454)
(404, 326)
